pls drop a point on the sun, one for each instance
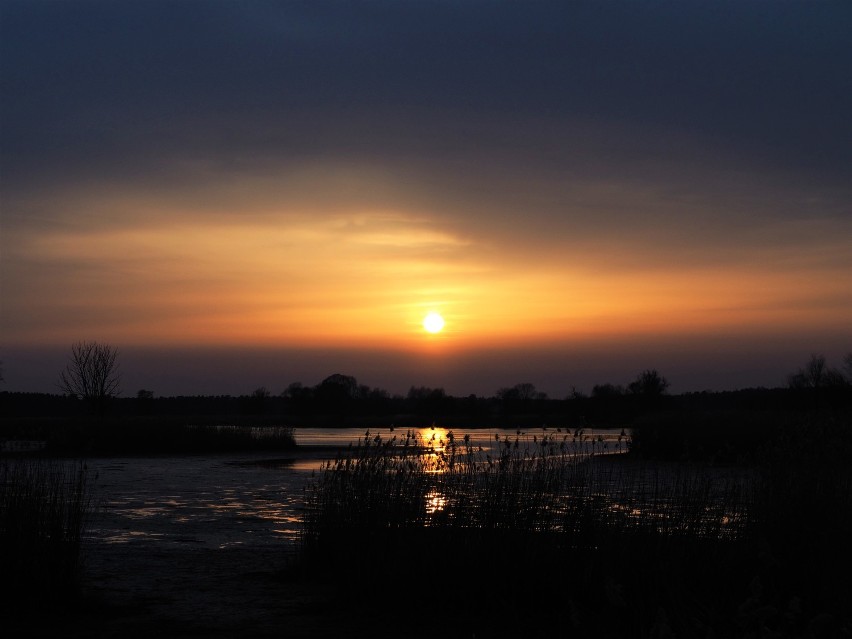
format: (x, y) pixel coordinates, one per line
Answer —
(433, 322)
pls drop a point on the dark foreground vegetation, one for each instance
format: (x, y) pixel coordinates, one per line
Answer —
(730, 516)
(536, 541)
(44, 508)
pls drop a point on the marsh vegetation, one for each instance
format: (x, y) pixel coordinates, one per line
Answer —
(540, 538)
(728, 516)
(44, 510)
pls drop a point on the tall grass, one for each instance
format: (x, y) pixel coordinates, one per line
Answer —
(536, 522)
(804, 512)
(43, 513)
(543, 484)
(407, 483)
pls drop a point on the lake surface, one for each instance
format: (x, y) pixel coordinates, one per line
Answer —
(196, 542)
(254, 499)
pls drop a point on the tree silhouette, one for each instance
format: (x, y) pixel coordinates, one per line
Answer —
(817, 379)
(817, 374)
(607, 391)
(92, 374)
(649, 384)
(420, 393)
(812, 375)
(261, 393)
(256, 403)
(524, 392)
(520, 398)
(337, 391)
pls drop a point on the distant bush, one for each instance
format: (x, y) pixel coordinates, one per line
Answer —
(163, 436)
(151, 435)
(720, 436)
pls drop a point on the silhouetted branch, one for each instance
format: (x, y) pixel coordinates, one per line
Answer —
(92, 374)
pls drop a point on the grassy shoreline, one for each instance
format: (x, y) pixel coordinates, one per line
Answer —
(614, 550)
(622, 546)
(149, 435)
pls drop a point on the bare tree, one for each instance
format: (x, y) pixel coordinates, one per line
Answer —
(524, 392)
(810, 376)
(817, 374)
(92, 374)
(649, 383)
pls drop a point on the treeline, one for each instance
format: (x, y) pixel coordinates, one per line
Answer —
(730, 426)
(339, 400)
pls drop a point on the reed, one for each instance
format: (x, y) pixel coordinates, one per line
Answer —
(541, 521)
(804, 516)
(44, 509)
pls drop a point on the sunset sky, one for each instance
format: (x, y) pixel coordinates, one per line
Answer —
(238, 194)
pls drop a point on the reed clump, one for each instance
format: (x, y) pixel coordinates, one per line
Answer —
(44, 510)
(804, 524)
(534, 523)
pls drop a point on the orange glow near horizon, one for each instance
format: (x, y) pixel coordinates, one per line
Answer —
(366, 280)
(284, 191)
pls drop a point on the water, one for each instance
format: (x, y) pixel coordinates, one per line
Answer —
(211, 501)
(192, 539)
(251, 499)
(585, 440)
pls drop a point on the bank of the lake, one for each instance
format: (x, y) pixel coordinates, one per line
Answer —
(209, 545)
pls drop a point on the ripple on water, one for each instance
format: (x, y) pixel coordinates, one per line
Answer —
(219, 502)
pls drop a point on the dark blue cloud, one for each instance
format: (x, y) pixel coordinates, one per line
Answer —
(112, 87)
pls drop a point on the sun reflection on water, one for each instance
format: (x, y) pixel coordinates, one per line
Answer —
(434, 437)
(435, 502)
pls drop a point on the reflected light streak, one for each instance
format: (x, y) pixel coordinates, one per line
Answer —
(435, 502)
(434, 438)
